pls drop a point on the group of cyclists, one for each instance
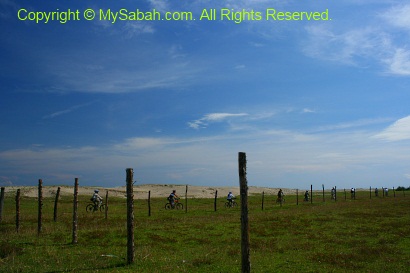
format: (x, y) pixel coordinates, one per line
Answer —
(97, 199)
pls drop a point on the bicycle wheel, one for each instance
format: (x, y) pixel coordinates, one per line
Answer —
(234, 204)
(227, 205)
(89, 208)
(179, 206)
(168, 206)
(102, 208)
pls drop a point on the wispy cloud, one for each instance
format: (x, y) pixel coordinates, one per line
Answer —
(66, 111)
(399, 63)
(399, 130)
(213, 117)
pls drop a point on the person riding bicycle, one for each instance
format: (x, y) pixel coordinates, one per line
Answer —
(280, 196)
(306, 196)
(96, 199)
(172, 197)
(230, 198)
(333, 193)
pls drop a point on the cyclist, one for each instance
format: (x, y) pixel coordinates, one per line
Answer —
(333, 193)
(172, 197)
(96, 199)
(280, 196)
(306, 196)
(230, 198)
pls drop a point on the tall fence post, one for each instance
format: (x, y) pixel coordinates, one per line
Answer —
(56, 204)
(106, 204)
(130, 216)
(75, 212)
(216, 197)
(149, 203)
(335, 194)
(243, 183)
(323, 192)
(345, 193)
(40, 207)
(186, 199)
(297, 196)
(370, 192)
(311, 194)
(394, 192)
(18, 210)
(1, 203)
(263, 198)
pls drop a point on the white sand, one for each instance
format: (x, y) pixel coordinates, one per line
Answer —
(141, 191)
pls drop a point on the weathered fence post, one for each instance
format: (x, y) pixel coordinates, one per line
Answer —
(55, 204)
(40, 207)
(335, 194)
(297, 196)
(263, 198)
(18, 211)
(394, 192)
(75, 212)
(323, 192)
(243, 183)
(149, 203)
(106, 204)
(370, 192)
(130, 216)
(345, 193)
(1, 203)
(186, 199)
(216, 196)
(383, 191)
(311, 194)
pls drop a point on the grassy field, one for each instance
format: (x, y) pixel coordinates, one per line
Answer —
(362, 235)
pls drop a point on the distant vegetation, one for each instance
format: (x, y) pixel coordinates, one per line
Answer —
(401, 188)
(362, 235)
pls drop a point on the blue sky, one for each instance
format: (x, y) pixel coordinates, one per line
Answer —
(310, 102)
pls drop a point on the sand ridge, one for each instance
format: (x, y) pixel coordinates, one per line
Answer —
(141, 191)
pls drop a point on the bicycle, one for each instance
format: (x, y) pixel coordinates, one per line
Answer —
(231, 204)
(177, 205)
(280, 200)
(91, 207)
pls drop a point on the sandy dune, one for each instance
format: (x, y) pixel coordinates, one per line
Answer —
(141, 191)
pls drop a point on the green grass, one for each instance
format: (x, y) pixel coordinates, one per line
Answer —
(362, 235)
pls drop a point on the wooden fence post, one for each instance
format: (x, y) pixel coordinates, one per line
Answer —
(345, 193)
(370, 192)
(335, 194)
(394, 192)
(40, 207)
(243, 183)
(186, 199)
(18, 211)
(106, 204)
(297, 197)
(216, 196)
(323, 192)
(130, 216)
(75, 212)
(149, 203)
(263, 198)
(311, 194)
(55, 204)
(1, 203)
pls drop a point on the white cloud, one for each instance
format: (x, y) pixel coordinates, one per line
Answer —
(136, 28)
(400, 130)
(66, 111)
(398, 16)
(399, 63)
(213, 117)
